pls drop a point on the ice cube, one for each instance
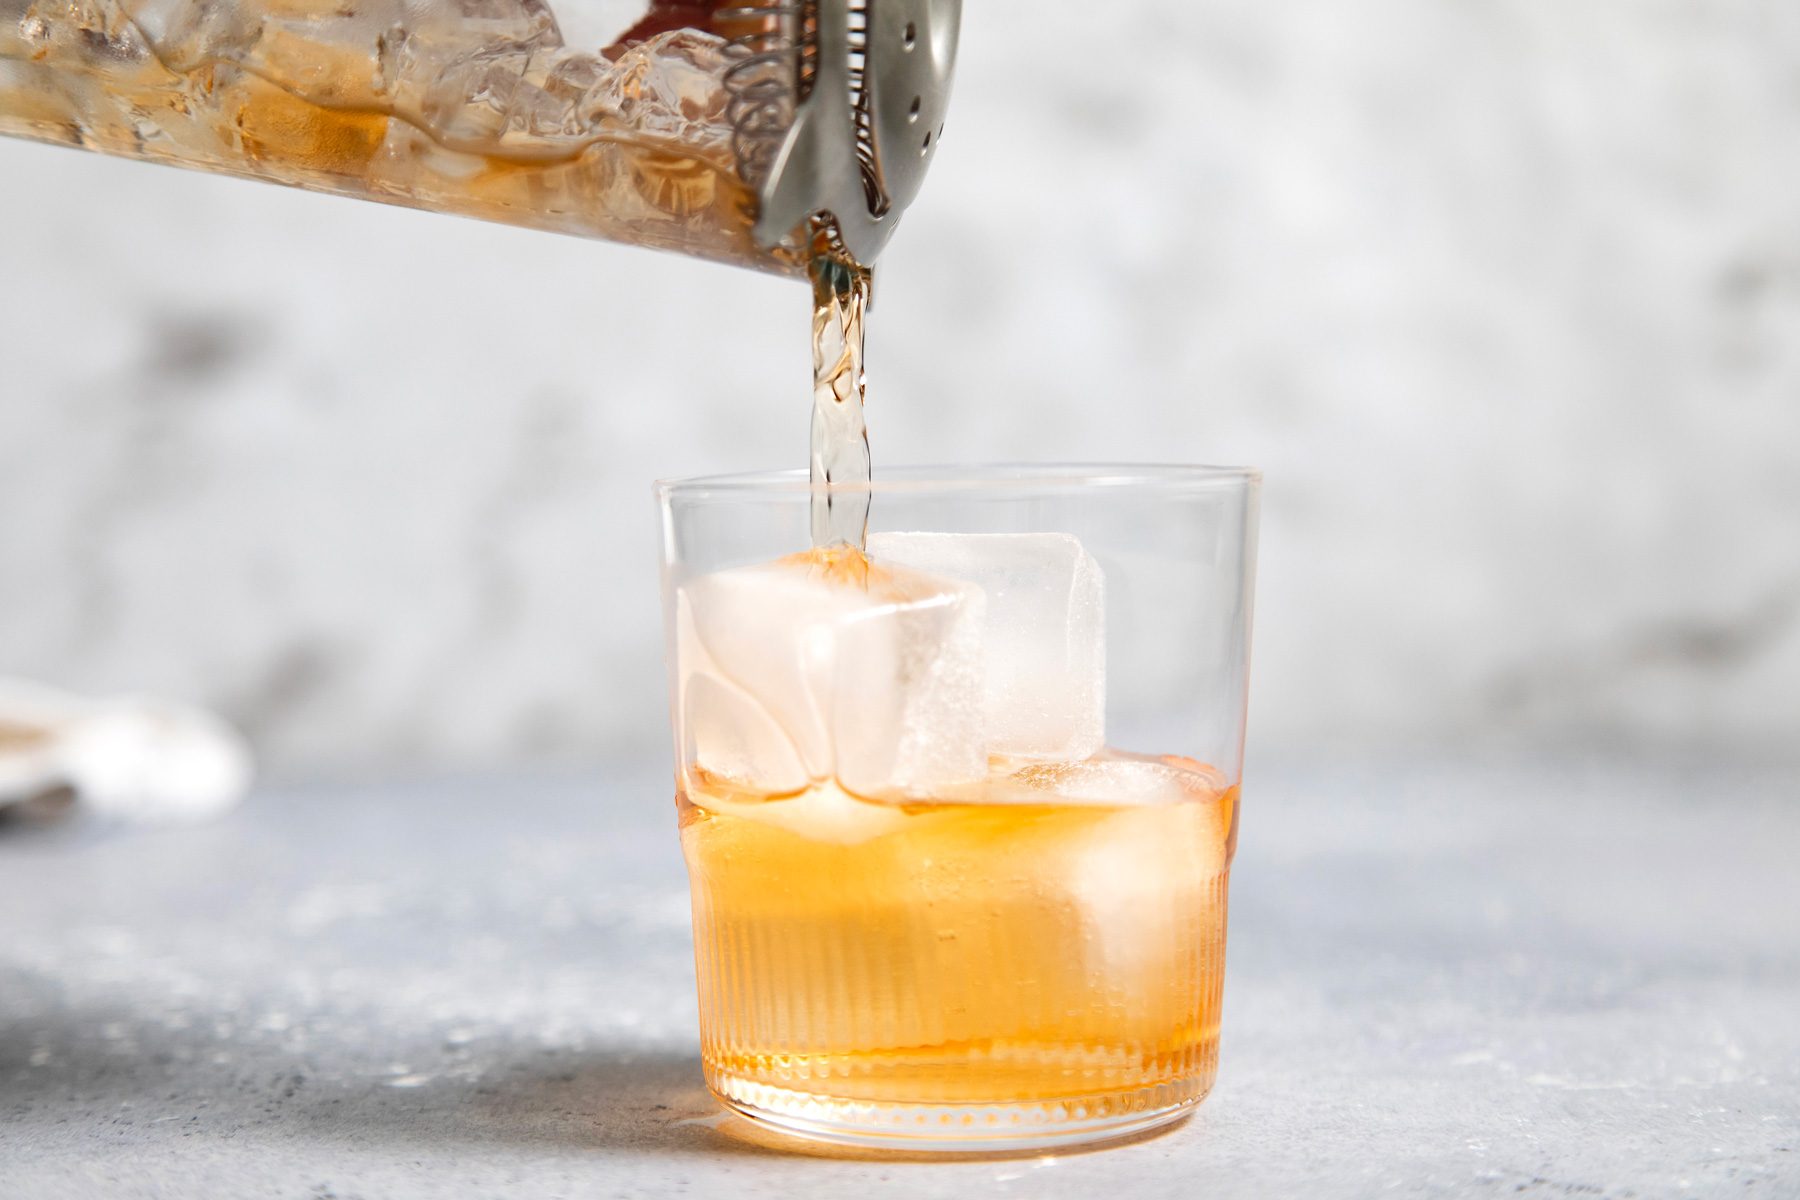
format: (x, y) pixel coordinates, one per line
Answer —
(1146, 883)
(1144, 876)
(1045, 656)
(823, 812)
(188, 32)
(1112, 780)
(668, 86)
(822, 666)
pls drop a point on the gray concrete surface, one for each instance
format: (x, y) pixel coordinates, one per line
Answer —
(1480, 980)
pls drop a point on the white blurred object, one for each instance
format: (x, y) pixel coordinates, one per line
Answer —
(132, 757)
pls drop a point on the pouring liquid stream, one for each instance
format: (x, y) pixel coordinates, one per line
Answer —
(840, 440)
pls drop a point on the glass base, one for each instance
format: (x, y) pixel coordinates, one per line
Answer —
(959, 1128)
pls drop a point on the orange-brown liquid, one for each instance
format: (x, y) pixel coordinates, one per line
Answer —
(1014, 966)
(486, 115)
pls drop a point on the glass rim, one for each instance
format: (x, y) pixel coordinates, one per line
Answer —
(996, 477)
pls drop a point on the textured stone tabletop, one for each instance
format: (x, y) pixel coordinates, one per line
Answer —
(1443, 981)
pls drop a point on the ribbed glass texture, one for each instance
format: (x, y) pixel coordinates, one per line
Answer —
(1025, 970)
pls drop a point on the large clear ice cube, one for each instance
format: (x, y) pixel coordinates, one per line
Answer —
(1114, 780)
(821, 666)
(1045, 656)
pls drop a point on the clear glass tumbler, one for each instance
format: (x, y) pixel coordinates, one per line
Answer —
(959, 814)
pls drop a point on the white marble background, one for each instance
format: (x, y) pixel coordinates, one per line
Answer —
(1504, 297)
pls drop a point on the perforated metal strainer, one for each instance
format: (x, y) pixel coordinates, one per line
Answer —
(837, 107)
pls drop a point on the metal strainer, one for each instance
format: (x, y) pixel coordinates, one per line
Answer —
(837, 107)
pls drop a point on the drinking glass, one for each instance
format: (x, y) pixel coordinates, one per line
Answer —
(959, 817)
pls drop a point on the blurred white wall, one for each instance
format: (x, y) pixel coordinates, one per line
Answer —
(1505, 298)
